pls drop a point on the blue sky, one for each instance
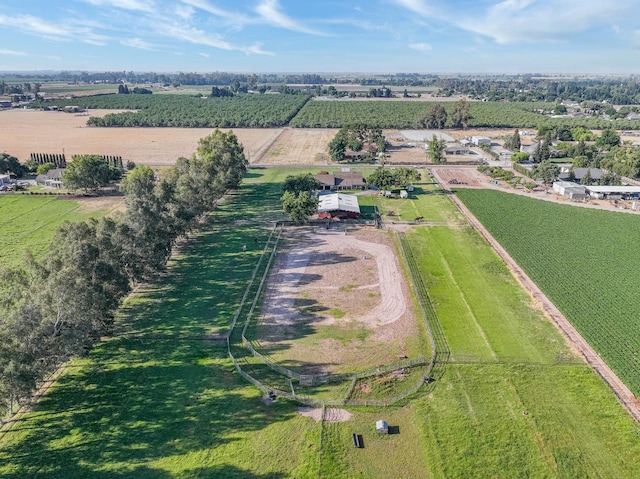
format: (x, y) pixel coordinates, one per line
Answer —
(426, 36)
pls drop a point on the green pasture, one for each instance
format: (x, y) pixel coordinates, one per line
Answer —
(161, 399)
(427, 200)
(28, 222)
(584, 260)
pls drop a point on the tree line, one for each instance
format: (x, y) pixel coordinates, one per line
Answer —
(57, 307)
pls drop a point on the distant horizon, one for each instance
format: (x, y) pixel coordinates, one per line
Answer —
(477, 37)
(328, 73)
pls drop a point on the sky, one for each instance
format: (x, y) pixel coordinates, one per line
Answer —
(322, 36)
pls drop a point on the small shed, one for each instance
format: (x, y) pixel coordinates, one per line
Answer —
(382, 427)
(404, 194)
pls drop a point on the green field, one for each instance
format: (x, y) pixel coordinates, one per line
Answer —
(584, 260)
(161, 400)
(29, 222)
(427, 200)
(408, 114)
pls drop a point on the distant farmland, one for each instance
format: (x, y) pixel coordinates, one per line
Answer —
(29, 222)
(586, 261)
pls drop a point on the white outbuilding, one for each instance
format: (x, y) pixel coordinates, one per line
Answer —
(382, 427)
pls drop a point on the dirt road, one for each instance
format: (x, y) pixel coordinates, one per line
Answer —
(575, 340)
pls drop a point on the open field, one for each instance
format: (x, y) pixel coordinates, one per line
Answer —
(162, 400)
(585, 270)
(59, 132)
(29, 222)
(299, 146)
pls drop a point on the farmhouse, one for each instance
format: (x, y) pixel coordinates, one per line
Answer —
(52, 178)
(5, 180)
(457, 150)
(338, 205)
(344, 180)
(579, 173)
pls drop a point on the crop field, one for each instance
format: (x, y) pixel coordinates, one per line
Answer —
(29, 222)
(407, 114)
(161, 399)
(584, 260)
(247, 111)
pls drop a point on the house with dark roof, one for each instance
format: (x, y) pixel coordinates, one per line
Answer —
(341, 180)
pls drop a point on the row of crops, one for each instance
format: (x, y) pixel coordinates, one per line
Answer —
(585, 261)
(263, 111)
(409, 114)
(246, 111)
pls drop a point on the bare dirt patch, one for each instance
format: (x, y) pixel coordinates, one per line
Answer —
(101, 203)
(330, 414)
(26, 131)
(336, 302)
(461, 177)
(309, 146)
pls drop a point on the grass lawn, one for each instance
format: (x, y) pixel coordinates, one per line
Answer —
(28, 222)
(585, 261)
(160, 400)
(427, 200)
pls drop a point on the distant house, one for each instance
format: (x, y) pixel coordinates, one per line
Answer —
(579, 173)
(480, 140)
(5, 180)
(457, 150)
(53, 178)
(343, 180)
(338, 205)
(5, 104)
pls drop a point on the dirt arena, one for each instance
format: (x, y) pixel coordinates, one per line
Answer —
(336, 301)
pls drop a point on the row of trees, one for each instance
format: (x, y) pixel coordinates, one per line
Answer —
(436, 116)
(58, 306)
(356, 138)
(386, 179)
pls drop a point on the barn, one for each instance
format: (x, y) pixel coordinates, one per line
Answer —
(338, 205)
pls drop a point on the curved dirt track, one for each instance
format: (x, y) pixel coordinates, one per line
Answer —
(576, 341)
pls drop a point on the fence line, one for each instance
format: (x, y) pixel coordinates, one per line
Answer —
(439, 356)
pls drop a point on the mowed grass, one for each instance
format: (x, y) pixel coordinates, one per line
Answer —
(584, 260)
(29, 222)
(427, 200)
(161, 399)
(514, 401)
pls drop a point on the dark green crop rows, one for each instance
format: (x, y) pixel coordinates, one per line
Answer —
(586, 261)
(407, 114)
(245, 111)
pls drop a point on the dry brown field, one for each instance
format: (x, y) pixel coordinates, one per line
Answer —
(299, 145)
(26, 131)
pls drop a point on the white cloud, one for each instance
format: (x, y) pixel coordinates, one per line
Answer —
(31, 24)
(270, 12)
(11, 52)
(136, 5)
(534, 20)
(137, 43)
(185, 12)
(421, 47)
(200, 37)
(417, 6)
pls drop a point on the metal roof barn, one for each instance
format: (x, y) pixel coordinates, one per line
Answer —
(336, 203)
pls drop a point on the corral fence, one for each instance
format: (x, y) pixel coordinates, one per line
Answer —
(434, 365)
